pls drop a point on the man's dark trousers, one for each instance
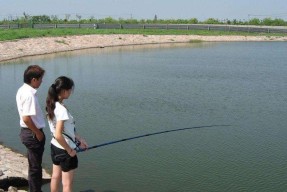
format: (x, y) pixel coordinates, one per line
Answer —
(35, 150)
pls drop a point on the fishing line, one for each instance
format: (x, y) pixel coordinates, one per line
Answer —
(147, 135)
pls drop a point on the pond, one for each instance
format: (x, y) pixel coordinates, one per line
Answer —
(128, 91)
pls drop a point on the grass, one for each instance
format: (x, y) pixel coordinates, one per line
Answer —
(14, 34)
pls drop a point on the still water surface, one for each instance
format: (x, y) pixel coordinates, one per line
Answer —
(129, 91)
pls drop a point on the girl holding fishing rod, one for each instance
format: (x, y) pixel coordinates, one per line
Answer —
(65, 140)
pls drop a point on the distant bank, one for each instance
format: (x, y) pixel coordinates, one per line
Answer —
(46, 45)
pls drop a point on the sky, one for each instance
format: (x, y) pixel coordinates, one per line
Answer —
(147, 9)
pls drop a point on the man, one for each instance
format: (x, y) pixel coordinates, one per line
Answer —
(32, 123)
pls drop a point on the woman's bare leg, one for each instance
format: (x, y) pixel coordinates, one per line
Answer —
(56, 178)
(67, 180)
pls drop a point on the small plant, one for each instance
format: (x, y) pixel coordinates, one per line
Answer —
(195, 41)
(61, 41)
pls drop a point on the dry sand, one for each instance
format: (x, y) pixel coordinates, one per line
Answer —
(47, 45)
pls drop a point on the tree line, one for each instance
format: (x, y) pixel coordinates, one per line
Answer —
(53, 19)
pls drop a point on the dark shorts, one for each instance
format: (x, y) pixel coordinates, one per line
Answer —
(62, 158)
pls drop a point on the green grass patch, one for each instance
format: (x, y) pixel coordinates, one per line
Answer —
(12, 34)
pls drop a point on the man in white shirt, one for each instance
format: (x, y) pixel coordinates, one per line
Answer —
(32, 123)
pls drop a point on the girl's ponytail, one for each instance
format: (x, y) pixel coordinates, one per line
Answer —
(52, 97)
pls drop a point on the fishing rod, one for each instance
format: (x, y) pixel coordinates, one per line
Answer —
(147, 135)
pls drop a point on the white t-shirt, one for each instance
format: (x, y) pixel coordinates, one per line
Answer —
(61, 113)
(28, 105)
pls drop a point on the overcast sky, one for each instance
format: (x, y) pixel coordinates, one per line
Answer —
(147, 9)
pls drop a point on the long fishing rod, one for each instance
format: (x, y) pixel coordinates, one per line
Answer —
(146, 135)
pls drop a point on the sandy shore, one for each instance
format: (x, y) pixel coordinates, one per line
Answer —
(14, 165)
(38, 46)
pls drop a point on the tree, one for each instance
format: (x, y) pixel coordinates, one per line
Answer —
(273, 22)
(54, 18)
(155, 19)
(212, 21)
(193, 21)
(67, 16)
(79, 17)
(92, 18)
(26, 16)
(107, 20)
(254, 21)
(279, 22)
(41, 19)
